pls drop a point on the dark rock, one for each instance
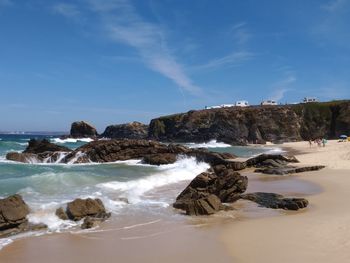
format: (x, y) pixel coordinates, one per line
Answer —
(23, 157)
(288, 169)
(82, 129)
(22, 228)
(80, 208)
(13, 212)
(90, 222)
(61, 214)
(276, 201)
(203, 196)
(160, 159)
(133, 130)
(203, 206)
(42, 146)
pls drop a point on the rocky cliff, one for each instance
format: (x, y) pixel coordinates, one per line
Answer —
(237, 125)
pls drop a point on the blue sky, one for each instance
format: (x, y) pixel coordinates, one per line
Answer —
(116, 61)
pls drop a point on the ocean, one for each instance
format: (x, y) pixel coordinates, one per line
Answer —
(127, 188)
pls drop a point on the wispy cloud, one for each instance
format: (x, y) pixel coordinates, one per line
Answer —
(334, 5)
(67, 10)
(123, 24)
(240, 33)
(233, 59)
(6, 3)
(281, 87)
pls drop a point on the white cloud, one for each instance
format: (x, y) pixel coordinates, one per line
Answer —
(125, 25)
(68, 10)
(240, 33)
(283, 86)
(233, 59)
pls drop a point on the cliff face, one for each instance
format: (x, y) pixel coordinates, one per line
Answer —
(255, 124)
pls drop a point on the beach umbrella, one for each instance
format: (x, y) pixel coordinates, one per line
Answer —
(343, 136)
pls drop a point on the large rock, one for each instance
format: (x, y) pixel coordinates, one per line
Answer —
(80, 208)
(13, 212)
(276, 201)
(258, 124)
(41, 146)
(133, 130)
(203, 196)
(82, 129)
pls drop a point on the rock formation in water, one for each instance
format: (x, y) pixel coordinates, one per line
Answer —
(133, 130)
(13, 216)
(82, 129)
(256, 124)
(91, 210)
(39, 151)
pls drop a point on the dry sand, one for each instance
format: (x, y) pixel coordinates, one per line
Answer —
(321, 233)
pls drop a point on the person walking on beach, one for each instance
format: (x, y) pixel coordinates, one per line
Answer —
(310, 143)
(324, 141)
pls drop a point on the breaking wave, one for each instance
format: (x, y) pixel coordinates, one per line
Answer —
(183, 169)
(71, 140)
(210, 144)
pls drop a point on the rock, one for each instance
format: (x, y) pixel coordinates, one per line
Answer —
(133, 130)
(276, 201)
(80, 208)
(23, 157)
(22, 228)
(61, 214)
(42, 146)
(288, 169)
(236, 125)
(91, 222)
(197, 198)
(82, 129)
(204, 206)
(13, 212)
(160, 159)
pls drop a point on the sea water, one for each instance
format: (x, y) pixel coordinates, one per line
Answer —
(124, 187)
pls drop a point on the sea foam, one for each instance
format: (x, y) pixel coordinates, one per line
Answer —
(71, 140)
(134, 190)
(210, 144)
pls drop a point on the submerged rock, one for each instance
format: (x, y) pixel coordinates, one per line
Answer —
(133, 130)
(82, 129)
(276, 201)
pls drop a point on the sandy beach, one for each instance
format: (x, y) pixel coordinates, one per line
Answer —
(320, 233)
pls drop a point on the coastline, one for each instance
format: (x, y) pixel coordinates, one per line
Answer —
(317, 234)
(224, 237)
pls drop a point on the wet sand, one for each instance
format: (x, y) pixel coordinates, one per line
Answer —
(147, 238)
